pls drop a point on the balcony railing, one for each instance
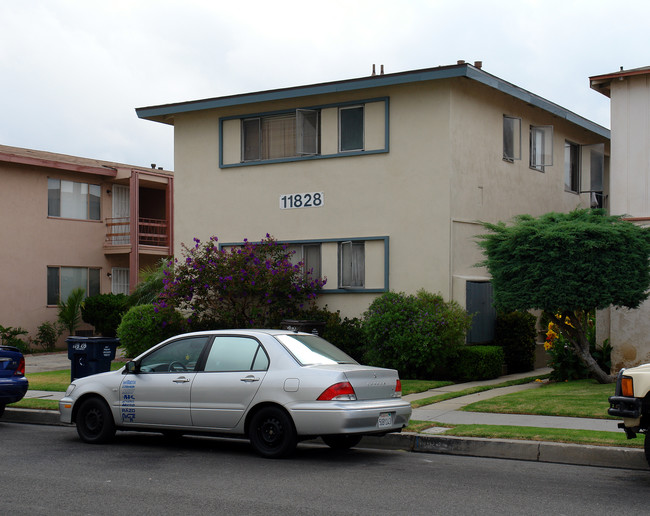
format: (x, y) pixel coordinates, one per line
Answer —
(151, 232)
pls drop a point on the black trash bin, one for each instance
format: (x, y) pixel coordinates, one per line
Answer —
(315, 327)
(90, 355)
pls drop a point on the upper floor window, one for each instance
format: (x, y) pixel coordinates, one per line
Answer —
(281, 136)
(511, 138)
(61, 281)
(571, 167)
(73, 200)
(351, 128)
(541, 146)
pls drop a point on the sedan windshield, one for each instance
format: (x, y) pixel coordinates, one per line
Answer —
(312, 350)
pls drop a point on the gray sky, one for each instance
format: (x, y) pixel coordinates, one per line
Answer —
(72, 72)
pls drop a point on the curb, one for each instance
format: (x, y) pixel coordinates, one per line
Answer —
(32, 416)
(535, 451)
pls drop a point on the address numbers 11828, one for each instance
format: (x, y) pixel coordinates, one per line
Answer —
(302, 200)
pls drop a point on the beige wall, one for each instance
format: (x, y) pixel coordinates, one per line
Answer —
(32, 241)
(444, 172)
(630, 195)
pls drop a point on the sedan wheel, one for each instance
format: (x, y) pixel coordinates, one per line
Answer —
(646, 447)
(341, 442)
(272, 434)
(95, 423)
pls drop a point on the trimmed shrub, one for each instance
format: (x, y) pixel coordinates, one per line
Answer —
(346, 334)
(515, 332)
(478, 363)
(104, 312)
(414, 334)
(144, 326)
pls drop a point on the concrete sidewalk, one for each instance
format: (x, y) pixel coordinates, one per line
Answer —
(441, 412)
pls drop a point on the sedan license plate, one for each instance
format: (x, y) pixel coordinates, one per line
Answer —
(385, 420)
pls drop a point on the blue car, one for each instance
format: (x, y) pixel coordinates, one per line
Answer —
(13, 384)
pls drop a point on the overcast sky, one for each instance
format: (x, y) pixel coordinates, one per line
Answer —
(72, 72)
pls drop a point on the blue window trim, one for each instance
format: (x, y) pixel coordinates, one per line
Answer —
(385, 150)
(386, 240)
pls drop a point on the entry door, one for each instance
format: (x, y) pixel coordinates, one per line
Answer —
(234, 370)
(159, 393)
(479, 303)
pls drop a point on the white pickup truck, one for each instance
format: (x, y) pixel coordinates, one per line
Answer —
(631, 401)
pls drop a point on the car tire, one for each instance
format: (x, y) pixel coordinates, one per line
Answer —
(646, 448)
(95, 423)
(272, 434)
(2, 410)
(341, 442)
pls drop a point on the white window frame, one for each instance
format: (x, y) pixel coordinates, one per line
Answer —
(120, 280)
(571, 167)
(511, 138)
(541, 147)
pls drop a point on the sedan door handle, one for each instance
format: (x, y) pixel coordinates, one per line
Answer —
(181, 379)
(250, 378)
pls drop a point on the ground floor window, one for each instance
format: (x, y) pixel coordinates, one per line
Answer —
(352, 264)
(120, 280)
(310, 257)
(61, 281)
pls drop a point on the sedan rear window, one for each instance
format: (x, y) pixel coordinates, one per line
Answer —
(313, 350)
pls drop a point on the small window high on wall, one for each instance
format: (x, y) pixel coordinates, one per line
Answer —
(511, 138)
(541, 146)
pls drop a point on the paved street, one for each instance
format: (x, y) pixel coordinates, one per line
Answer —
(52, 473)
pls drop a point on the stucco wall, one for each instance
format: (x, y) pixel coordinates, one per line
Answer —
(32, 241)
(444, 172)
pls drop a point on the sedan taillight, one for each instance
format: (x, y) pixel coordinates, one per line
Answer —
(20, 370)
(398, 389)
(342, 391)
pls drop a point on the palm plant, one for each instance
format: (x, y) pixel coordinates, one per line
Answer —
(70, 310)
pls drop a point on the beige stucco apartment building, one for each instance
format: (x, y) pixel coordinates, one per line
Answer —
(629, 91)
(67, 223)
(379, 182)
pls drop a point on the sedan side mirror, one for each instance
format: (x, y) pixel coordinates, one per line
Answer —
(132, 367)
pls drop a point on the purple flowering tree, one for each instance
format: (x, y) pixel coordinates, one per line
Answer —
(251, 286)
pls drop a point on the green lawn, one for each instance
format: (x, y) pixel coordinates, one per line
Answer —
(579, 398)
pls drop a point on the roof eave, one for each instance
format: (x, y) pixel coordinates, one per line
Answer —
(165, 113)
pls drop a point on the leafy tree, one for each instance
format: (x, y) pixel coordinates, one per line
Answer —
(254, 285)
(104, 312)
(567, 265)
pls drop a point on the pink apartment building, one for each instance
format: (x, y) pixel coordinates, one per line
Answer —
(75, 222)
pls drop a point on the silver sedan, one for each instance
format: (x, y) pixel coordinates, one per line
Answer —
(274, 387)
